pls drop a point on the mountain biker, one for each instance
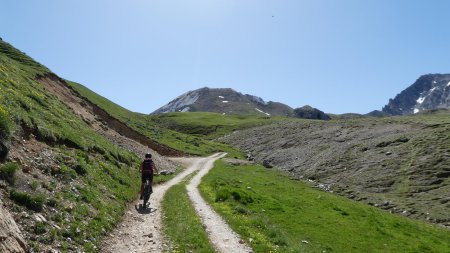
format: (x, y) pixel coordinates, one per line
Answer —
(147, 170)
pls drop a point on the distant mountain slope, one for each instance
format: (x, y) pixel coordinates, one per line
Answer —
(428, 92)
(227, 101)
(397, 163)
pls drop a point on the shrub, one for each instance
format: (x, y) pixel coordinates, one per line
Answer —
(222, 194)
(80, 168)
(32, 202)
(8, 172)
(40, 228)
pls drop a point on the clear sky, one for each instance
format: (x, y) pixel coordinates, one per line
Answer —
(337, 55)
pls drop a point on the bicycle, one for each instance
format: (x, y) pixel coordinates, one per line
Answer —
(146, 193)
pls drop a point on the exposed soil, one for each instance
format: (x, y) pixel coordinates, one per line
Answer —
(98, 118)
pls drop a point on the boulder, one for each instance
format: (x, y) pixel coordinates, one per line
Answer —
(11, 239)
(267, 164)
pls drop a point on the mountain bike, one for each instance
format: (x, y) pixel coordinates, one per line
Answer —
(146, 193)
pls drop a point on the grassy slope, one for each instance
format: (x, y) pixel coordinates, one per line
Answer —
(94, 177)
(147, 126)
(276, 214)
(210, 125)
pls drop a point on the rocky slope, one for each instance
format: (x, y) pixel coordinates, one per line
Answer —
(428, 92)
(308, 112)
(226, 101)
(399, 164)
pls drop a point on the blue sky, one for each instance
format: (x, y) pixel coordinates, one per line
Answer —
(337, 55)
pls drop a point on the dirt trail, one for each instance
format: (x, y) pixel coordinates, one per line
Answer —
(223, 238)
(141, 231)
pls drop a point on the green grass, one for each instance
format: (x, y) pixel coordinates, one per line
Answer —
(33, 202)
(181, 223)
(276, 214)
(146, 125)
(8, 172)
(5, 125)
(210, 125)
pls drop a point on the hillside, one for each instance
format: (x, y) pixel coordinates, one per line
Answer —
(396, 163)
(427, 93)
(68, 168)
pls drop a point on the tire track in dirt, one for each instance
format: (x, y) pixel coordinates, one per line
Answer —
(223, 238)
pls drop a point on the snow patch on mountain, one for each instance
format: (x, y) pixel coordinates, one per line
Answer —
(420, 100)
(268, 114)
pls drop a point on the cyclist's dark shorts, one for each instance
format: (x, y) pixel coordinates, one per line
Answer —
(146, 175)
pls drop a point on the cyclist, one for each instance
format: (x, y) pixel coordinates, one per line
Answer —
(147, 169)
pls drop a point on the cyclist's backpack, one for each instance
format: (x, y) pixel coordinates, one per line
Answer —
(147, 166)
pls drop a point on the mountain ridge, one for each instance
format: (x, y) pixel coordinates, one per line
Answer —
(225, 101)
(428, 92)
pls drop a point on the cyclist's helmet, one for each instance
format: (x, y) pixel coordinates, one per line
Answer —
(148, 155)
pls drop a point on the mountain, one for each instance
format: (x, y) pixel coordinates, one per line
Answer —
(429, 92)
(308, 112)
(224, 101)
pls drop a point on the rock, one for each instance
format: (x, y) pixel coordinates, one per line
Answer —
(39, 218)
(167, 172)
(267, 164)
(11, 239)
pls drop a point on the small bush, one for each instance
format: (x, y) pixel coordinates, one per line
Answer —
(40, 228)
(80, 168)
(8, 172)
(52, 202)
(46, 135)
(32, 202)
(34, 185)
(222, 194)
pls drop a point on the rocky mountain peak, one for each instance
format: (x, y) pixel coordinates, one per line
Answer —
(429, 92)
(225, 101)
(308, 112)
